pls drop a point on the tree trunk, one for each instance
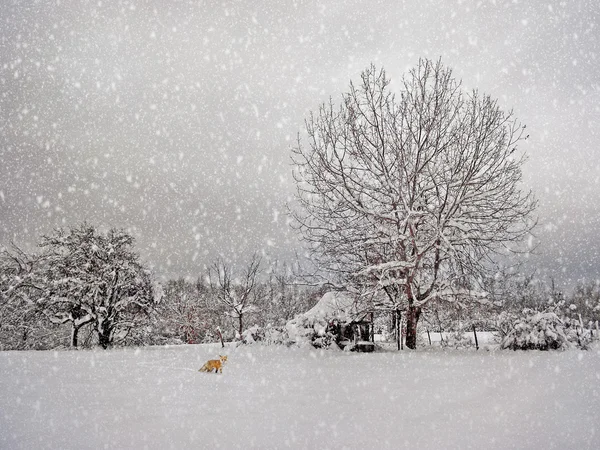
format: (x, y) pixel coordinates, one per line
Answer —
(104, 335)
(74, 333)
(412, 319)
(240, 325)
(103, 340)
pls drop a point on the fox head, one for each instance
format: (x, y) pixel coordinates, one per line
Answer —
(223, 358)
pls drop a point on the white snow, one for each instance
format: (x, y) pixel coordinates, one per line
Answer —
(332, 304)
(278, 397)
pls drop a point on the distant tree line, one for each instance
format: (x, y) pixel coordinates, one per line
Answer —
(86, 288)
(509, 297)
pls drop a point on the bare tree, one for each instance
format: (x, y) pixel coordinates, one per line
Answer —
(184, 311)
(411, 195)
(238, 295)
(285, 295)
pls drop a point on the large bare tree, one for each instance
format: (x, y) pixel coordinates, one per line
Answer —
(410, 195)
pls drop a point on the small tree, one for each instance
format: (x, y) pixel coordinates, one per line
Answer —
(92, 278)
(237, 295)
(411, 195)
(184, 312)
(284, 297)
(21, 324)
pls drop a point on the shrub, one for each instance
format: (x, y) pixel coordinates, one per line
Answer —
(577, 334)
(314, 330)
(458, 340)
(534, 331)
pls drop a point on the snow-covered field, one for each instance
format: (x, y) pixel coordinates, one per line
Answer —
(275, 397)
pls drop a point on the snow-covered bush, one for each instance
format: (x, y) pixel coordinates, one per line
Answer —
(458, 340)
(320, 327)
(301, 331)
(314, 330)
(547, 330)
(253, 334)
(268, 335)
(533, 330)
(577, 334)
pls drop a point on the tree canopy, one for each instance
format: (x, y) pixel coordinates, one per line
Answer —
(410, 195)
(88, 277)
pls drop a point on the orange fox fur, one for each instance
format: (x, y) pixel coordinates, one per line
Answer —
(216, 364)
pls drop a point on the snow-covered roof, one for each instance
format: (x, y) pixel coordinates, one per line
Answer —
(333, 304)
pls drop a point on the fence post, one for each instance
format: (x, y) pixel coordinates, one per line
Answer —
(476, 341)
(398, 328)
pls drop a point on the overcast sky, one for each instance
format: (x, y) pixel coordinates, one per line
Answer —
(174, 120)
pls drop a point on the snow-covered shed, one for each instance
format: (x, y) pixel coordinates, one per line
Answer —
(353, 326)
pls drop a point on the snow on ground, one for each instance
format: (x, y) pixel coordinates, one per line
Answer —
(277, 397)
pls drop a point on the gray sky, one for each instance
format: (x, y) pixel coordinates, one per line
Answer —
(174, 119)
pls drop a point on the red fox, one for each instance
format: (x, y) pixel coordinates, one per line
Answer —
(216, 364)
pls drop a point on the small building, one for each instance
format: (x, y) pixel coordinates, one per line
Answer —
(352, 326)
(358, 334)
